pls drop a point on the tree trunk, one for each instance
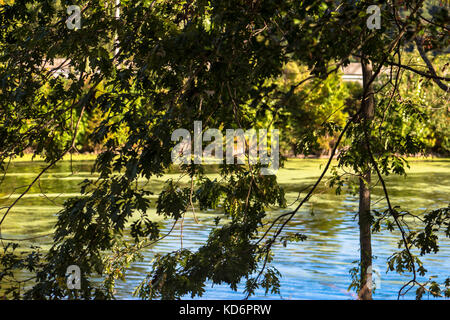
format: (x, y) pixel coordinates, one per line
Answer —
(365, 291)
(367, 112)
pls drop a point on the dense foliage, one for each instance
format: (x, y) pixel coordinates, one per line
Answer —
(130, 82)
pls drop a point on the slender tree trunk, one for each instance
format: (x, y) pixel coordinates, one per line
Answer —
(367, 112)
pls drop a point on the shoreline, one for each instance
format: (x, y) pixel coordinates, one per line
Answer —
(92, 156)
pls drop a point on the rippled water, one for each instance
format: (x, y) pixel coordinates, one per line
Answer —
(315, 269)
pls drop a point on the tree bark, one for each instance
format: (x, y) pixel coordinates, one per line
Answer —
(367, 113)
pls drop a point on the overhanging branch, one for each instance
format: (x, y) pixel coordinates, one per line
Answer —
(434, 77)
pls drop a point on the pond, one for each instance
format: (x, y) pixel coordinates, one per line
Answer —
(317, 268)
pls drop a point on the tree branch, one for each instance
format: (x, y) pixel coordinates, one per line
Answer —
(436, 79)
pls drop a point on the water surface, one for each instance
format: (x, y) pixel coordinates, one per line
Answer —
(315, 269)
